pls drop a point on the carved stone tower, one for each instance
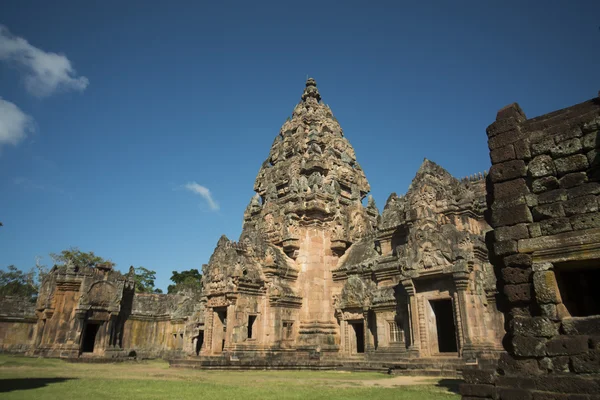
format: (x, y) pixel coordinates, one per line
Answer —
(308, 203)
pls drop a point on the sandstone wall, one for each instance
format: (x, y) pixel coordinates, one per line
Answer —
(17, 324)
(543, 198)
(154, 328)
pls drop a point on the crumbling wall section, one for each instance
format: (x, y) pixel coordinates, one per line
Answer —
(543, 191)
(157, 326)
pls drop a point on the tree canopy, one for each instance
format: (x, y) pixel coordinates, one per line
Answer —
(190, 280)
(79, 258)
(14, 282)
(144, 281)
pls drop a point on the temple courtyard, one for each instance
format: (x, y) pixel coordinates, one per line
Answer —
(31, 378)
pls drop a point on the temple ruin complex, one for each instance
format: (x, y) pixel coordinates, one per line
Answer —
(490, 274)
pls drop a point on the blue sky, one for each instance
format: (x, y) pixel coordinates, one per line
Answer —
(101, 143)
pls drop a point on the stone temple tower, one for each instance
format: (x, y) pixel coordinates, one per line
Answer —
(307, 211)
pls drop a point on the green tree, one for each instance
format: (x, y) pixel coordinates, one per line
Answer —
(79, 258)
(144, 281)
(190, 280)
(14, 282)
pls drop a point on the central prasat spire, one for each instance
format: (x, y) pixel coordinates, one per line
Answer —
(311, 177)
(311, 90)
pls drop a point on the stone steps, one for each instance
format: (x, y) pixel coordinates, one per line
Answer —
(431, 366)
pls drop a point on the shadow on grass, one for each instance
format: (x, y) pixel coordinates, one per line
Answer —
(9, 385)
(450, 384)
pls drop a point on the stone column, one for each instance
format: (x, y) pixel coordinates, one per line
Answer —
(208, 331)
(78, 327)
(413, 311)
(461, 281)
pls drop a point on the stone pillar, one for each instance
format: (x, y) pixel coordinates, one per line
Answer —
(208, 331)
(461, 281)
(229, 327)
(413, 311)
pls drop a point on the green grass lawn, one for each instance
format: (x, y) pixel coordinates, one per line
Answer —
(33, 378)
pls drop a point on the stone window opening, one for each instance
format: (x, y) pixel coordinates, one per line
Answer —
(577, 286)
(251, 332)
(395, 332)
(288, 332)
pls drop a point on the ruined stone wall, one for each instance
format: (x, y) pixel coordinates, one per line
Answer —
(157, 326)
(543, 198)
(17, 324)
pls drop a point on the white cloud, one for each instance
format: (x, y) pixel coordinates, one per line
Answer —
(46, 72)
(14, 123)
(204, 192)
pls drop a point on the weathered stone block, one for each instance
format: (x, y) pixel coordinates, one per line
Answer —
(522, 149)
(546, 211)
(563, 345)
(516, 275)
(478, 391)
(479, 376)
(573, 179)
(581, 205)
(544, 184)
(509, 366)
(566, 148)
(552, 196)
(531, 200)
(518, 260)
(582, 325)
(542, 146)
(589, 141)
(514, 232)
(568, 383)
(511, 216)
(569, 132)
(502, 126)
(591, 126)
(509, 189)
(546, 288)
(577, 162)
(514, 394)
(541, 166)
(518, 293)
(503, 139)
(535, 230)
(507, 170)
(534, 327)
(555, 364)
(508, 202)
(583, 190)
(541, 266)
(505, 247)
(554, 226)
(549, 311)
(502, 154)
(586, 363)
(585, 221)
(592, 157)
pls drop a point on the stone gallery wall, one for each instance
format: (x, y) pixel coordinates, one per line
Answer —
(543, 192)
(17, 324)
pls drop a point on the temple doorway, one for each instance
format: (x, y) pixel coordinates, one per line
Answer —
(89, 337)
(219, 330)
(359, 336)
(444, 322)
(199, 342)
